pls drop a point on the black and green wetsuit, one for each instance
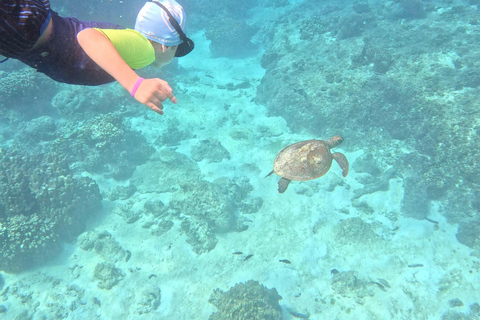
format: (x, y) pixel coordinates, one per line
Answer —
(22, 22)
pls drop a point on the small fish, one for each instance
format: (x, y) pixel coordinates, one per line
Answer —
(299, 315)
(432, 221)
(415, 265)
(384, 282)
(96, 301)
(238, 252)
(248, 257)
(381, 286)
(285, 261)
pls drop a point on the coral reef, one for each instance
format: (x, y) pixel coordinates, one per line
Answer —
(230, 37)
(374, 83)
(468, 234)
(405, 9)
(41, 204)
(105, 144)
(249, 300)
(68, 102)
(207, 10)
(353, 25)
(42, 128)
(13, 88)
(225, 25)
(75, 102)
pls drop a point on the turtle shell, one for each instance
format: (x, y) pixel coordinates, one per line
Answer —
(304, 160)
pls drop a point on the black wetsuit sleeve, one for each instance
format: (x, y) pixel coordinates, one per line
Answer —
(21, 24)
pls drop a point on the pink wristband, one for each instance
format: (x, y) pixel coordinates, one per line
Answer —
(135, 87)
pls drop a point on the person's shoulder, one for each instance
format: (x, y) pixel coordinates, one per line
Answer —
(121, 32)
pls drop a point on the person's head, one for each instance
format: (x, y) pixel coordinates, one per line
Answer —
(162, 22)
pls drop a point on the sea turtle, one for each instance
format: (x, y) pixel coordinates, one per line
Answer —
(307, 160)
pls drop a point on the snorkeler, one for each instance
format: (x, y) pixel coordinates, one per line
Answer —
(93, 53)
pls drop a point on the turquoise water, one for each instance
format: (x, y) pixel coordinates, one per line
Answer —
(109, 210)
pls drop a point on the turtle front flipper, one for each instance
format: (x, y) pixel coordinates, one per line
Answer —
(342, 162)
(283, 185)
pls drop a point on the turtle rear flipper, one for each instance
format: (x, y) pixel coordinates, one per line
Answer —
(342, 162)
(283, 185)
(269, 174)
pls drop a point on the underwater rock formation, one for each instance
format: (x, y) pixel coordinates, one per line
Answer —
(147, 299)
(103, 244)
(210, 149)
(249, 300)
(208, 201)
(351, 284)
(107, 275)
(355, 230)
(41, 205)
(200, 234)
(59, 298)
(174, 134)
(203, 208)
(473, 314)
(211, 207)
(165, 172)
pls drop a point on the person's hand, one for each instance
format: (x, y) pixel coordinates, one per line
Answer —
(152, 92)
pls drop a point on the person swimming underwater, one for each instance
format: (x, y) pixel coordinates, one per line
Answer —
(94, 53)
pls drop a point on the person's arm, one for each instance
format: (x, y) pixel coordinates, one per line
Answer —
(151, 92)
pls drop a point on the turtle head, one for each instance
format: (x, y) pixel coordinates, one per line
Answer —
(334, 141)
